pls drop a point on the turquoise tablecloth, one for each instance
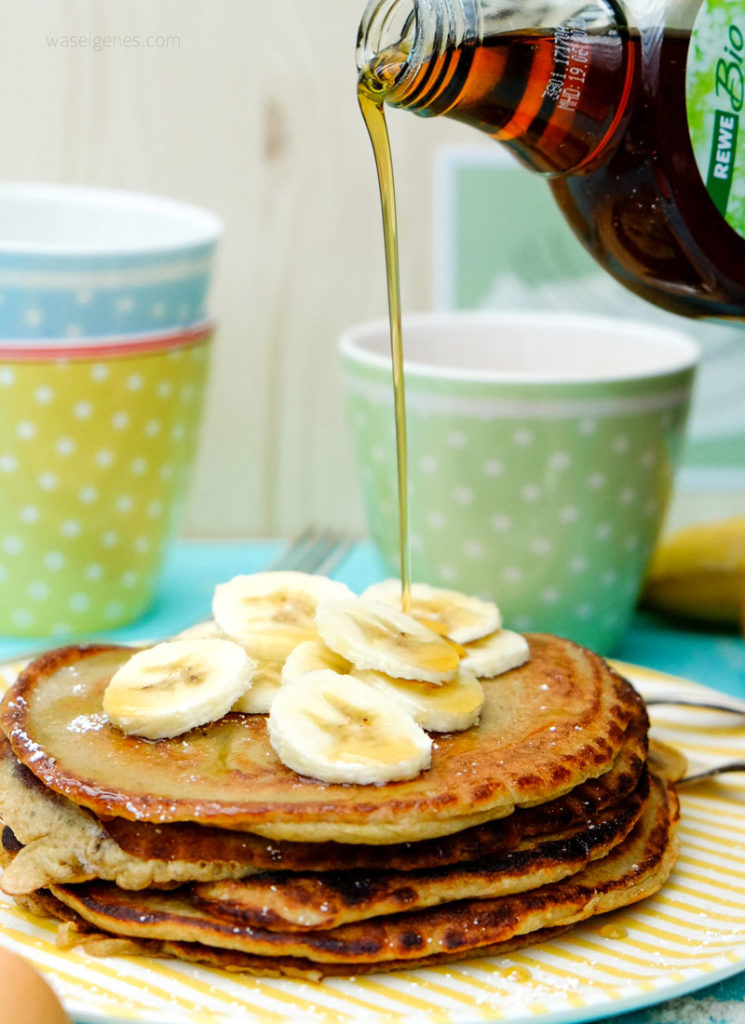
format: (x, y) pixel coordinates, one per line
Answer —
(718, 660)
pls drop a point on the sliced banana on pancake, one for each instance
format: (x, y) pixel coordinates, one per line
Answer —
(375, 636)
(172, 687)
(267, 679)
(337, 729)
(270, 613)
(447, 612)
(312, 656)
(451, 707)
(497, 653)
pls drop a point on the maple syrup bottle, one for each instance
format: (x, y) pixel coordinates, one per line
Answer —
(631, 110)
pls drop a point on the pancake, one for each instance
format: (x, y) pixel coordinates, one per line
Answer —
(204, 847)
(62, 842)
(546, 727)
(321, 900)
(181, 840)
(296, 967)
(286, 900)
(75, 933)
(636, 868)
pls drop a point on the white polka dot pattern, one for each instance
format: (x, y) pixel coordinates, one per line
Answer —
(94, 462)
(551, 512)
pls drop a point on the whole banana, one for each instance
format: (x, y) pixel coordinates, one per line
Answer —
(698, 574)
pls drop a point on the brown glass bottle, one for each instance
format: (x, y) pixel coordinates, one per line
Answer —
(597, 103)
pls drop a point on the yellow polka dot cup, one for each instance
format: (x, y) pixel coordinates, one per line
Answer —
(97, 442)
(541, 454)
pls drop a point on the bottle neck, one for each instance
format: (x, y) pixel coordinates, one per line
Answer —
(407, 50)
(549, 78)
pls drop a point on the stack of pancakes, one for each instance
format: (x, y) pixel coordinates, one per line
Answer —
(207, 848)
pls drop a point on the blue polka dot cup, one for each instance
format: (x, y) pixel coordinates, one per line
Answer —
(97, 440)
(541, 454)
(82, 262)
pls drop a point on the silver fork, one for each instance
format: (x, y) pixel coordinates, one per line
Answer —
(697, 774)
(687, 702)
(702, 771)
(318, 551)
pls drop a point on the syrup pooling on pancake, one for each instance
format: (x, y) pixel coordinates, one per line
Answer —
(332, 721)
(545, 728)
(338, 726)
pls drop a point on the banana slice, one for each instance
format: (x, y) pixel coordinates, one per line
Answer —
(376, 636)
(266, 680)
(337, 729)
(172, 687)
(312, 656)
(450, 707)
(270, 613)
(447, 612)
(495, 654)
(258, 698)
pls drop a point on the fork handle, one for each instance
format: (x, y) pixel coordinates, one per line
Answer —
(689, 703)
(716, 769)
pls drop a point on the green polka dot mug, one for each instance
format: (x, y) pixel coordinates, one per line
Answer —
(96, 446)
(541, 454)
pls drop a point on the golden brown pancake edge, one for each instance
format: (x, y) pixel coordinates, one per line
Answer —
(547, 726)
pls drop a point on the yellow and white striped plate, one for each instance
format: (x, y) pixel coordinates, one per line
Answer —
(689, 935)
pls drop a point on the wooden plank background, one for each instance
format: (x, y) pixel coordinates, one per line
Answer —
(249, 108)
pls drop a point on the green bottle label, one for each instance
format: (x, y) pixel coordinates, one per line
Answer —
(715, 101)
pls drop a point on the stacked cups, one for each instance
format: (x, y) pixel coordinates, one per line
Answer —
(104, 343)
